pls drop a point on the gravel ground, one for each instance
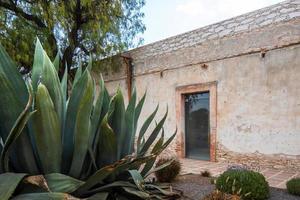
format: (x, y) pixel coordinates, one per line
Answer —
(195, 187)
(280, 194)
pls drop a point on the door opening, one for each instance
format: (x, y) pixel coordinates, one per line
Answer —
(197, 125)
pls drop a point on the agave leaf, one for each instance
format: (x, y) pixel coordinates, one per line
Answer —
(8, 184)
(96, 115)
(64, 84)
(96, 120)
(110, 186)
(107, 145)
(106, 101)
(61, 183)
(157, 149)
(71, 120)
(50, 79)
(145, 127)
(56, 61)
(106, 105)
(148, 166)
(64, 89)
(78, 125)
(138, 110)
(117, 120)
(153, 135)
(14, 95)
(100, 195)
(138, 179)
(77, 75)
(166, 144)
(116, 168)
(90, 64)
(159, 167)
(128, 142)
(136, 192)
(38, 63)
(1, 145)
(45, 196)
(47, 132)
(14, 134)
(96, 178)
(162, 191)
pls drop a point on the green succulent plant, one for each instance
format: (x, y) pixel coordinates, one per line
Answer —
(59, 146)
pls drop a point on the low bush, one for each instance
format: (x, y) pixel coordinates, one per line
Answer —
(247, 184)
(293, 186)
(168, 173)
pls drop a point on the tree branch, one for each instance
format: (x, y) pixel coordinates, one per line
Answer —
(19, 12)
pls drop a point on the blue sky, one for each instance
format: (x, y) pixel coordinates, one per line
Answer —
(165, 18)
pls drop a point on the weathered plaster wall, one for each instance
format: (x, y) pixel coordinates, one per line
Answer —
(257, 69)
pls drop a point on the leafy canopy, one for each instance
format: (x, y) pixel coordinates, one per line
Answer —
(78, 28)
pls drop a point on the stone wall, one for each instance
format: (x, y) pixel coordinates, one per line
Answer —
(253, 58)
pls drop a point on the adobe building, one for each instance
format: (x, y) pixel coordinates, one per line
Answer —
(232, 88)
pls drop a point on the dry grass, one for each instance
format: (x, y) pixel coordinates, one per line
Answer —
(217, 195)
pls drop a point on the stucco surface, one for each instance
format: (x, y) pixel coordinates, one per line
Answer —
(258, 106)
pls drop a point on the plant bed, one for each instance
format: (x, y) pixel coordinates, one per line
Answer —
(197, 187)
(193, 186)
(281, 194)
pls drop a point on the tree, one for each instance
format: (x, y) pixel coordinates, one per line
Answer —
(77, 28)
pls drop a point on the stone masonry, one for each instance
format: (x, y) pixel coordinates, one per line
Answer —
(278, 13)
(251, 66)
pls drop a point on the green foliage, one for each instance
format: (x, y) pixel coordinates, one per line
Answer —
(81, 144)
(77, 28)
(293, 186)
(247, 184)
(168, 173)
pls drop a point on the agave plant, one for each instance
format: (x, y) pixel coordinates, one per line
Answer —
(59, 146)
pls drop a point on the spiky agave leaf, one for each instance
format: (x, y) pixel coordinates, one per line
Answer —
(47, 131)
(14, 134)
(8, 184)
(13, 99)
(77, 122)
(94, 135)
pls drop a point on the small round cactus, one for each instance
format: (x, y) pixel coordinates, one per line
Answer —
(168, 173)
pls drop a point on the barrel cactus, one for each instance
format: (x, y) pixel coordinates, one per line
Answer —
(57, 144)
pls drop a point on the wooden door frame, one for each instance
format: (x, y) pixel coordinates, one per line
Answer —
(181, 91)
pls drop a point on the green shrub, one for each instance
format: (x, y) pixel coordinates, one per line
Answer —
(293, 186)
(248, 184)
(168, 173)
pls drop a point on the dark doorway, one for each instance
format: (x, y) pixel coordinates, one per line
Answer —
(197, 126)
